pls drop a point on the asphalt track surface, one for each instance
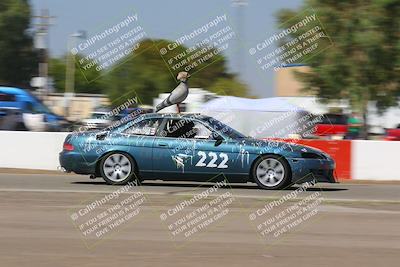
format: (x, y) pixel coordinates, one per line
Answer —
(356, 225)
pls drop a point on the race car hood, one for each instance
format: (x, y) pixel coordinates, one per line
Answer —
(291, 149)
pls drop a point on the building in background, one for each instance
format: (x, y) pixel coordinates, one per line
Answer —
(286, 83)
(80, 105)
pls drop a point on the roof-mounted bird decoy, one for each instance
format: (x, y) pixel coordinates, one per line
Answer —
(178, 95)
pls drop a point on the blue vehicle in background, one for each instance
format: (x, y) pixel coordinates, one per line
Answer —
(190, 147)
(16, 100)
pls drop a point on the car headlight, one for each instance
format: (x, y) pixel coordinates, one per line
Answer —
(310, 155)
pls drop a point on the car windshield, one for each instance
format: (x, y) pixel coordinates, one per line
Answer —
(224, 129)
(39, 107)
(99, 115)
(334, 119)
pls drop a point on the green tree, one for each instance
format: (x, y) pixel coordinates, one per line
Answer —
(18, 60)
(229, 86)
(146, 75)
(364, 63)
(93, 83)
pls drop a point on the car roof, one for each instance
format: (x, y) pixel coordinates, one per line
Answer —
(12, 90)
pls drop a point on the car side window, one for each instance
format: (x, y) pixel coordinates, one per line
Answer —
(186, 128)
(145, 127)
(29, 107)
(202, 132)
(7, 97)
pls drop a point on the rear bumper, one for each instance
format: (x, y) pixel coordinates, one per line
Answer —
(305, 170)
(75, 162)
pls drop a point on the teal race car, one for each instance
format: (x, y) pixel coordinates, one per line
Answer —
(190, 147)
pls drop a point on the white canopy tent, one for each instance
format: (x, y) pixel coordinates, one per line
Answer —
(262, 118)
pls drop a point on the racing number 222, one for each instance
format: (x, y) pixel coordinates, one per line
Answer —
(212, 163)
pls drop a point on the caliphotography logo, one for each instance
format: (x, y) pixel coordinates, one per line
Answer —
(300, 38)
(283, 214)
(191, 217)
(198, 47)
(120, 40)
(103, 217)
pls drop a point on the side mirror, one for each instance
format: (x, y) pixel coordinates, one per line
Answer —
(101, 136)
(218, 140)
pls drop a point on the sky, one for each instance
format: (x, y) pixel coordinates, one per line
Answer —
(169, 20)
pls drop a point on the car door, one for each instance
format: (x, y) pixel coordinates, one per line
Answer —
(137, 139)
(171, 151)
(215, 155)
(188, 150)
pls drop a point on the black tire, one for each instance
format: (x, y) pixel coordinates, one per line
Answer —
(118, 168)
(272, 164)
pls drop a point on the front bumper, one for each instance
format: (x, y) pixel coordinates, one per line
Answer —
(306, 170)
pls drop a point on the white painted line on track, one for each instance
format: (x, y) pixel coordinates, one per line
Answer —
(194, 192)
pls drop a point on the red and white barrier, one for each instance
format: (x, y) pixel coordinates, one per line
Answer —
(375, 160)
(30, 150)
(361, 159)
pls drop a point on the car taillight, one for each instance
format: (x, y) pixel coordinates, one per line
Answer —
(68, 147)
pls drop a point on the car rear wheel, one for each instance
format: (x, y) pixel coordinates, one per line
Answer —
(117, 168)
(271, 172)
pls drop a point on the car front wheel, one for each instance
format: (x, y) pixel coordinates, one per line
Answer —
(117, 168)
(271, 172)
